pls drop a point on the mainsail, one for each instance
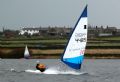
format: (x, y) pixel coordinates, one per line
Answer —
(74, 52)
(26, 53)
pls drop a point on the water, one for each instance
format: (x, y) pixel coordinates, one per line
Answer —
(93, 70)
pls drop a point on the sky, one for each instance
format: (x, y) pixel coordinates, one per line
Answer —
(34, 13)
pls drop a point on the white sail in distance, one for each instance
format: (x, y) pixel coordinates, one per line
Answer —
(26, 53)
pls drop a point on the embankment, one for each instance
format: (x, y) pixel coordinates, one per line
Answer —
(103, 47)
(56, 53)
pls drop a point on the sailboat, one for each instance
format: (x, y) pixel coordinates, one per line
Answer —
(26, 53)
(73, 54)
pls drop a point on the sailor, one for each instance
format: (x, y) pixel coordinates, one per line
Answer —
(41, 67)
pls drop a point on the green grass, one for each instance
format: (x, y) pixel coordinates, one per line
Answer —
(24, 38)
(108, 38)
(34, 42)
(104, 44)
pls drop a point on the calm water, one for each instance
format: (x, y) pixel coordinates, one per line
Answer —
(93, 70)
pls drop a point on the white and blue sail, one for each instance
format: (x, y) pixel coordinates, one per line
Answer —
(74, 52)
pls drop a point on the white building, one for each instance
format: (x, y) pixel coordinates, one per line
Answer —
(30, 31)
(45, 30)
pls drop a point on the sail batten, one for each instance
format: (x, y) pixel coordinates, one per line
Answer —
(74, 53)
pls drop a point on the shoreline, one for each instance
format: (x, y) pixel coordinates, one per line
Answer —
(57, 57)
(56, 53)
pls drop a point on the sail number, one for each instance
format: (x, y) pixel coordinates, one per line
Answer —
(81, 40)
(80, 37)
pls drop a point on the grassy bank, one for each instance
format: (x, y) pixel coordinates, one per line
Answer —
(103, 47)
(57, 53)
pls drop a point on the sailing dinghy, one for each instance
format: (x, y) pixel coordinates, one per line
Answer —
(26, 53)
(73, 54)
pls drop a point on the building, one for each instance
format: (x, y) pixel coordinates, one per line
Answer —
(101, 31)
(93, 31)
(29, 31)
(50, 31)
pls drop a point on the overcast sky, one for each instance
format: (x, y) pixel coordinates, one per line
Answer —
(21, 13)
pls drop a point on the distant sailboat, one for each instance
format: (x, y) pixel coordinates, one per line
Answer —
(26, 53)
(74, 53)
